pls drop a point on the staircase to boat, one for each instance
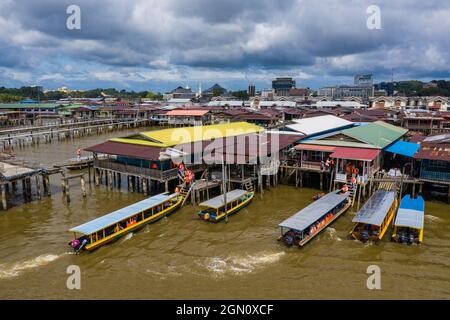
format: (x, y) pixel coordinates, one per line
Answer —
(248, 185)
(186, 192)
(352, 193)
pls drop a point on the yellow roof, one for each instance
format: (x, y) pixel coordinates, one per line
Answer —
(175, 136)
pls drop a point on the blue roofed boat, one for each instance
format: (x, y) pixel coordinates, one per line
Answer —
(110, 227)
(374, 218)
(303, 226)
(409, 222)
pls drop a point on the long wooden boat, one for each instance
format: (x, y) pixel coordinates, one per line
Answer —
(79, 164)
(214, 209)
(306, 224)
(110, 227)
(409, 222)
(374, 218)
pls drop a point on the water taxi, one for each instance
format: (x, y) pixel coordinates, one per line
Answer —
(306, 224)
(214, 209)
(374, 218)
(110, 227)
(409, 222)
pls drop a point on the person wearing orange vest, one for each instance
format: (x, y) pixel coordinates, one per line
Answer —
(187, 179)
(353, 180)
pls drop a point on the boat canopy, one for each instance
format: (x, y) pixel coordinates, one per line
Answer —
(121, 214)
(218, 201)
(376, 208)
(411, 213)
(307, 216)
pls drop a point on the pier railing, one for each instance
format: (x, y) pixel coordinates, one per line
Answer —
(435, 176)
(135, 170)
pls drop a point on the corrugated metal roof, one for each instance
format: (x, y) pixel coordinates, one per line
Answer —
(316, 125)
(312, 147)
(340, 143)
(127, 150)
(411, 213)
(355, 153)
(434, 152)
(187, 113)
(307, 216)
(378, 134)
(176, 136)
(29, 105)
(376, 208)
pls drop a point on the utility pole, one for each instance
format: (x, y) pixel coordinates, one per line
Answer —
(224, 187)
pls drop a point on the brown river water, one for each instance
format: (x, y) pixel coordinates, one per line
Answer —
(181, 257)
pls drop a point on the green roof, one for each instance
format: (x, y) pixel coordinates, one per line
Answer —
(339, 143)
(379, 134)
(29, 105)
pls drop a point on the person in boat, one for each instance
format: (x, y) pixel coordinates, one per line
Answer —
(344, 189)
(78, 154)
(118, 228)
(79, 244)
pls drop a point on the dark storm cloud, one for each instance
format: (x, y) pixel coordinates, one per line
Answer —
(322, 38)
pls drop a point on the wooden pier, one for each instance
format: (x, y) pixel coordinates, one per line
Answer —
(29, 136)
(11, 174)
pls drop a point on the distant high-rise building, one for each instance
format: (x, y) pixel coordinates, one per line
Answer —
(281, 86)
(251, 90)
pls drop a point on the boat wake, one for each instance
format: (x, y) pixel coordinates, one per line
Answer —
(14, 270)
(333, 234)
(127, 237)
(431, 218)
(241, 264)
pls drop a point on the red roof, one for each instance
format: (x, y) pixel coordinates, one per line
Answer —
(126, 150)
(434, 152)
(312, 147)
(355, 153)
(187, 113)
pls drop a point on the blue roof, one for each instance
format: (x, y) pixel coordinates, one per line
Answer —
(376, 208)
(121, 214)
(403, 148)
(307, 216)
(411, 213)
(28, 101)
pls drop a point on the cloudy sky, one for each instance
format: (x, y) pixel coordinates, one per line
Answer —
(160, 44)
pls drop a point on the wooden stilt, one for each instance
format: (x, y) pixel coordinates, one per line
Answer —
(38, 187)
(83, 186)
(4, 202)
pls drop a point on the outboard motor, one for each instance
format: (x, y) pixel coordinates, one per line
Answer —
(81, 246)
(288, 239)
(403, 237)
(364, 235)
(411, 238)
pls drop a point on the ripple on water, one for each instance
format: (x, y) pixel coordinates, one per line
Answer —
(238, 265)
(15, 269)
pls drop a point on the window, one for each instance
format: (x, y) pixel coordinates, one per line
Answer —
(437, 164)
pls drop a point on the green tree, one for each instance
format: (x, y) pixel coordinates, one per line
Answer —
(242, 95)
(6, 97)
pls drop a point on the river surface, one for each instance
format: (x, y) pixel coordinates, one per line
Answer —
(181, 257)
